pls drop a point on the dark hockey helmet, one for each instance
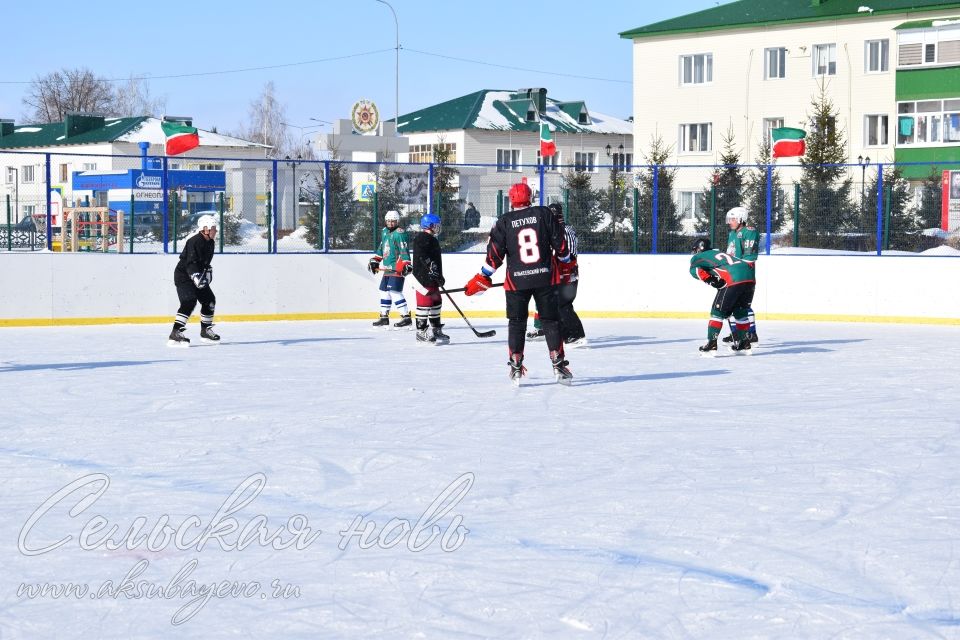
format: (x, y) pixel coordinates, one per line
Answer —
(701, 245)
(520, 195)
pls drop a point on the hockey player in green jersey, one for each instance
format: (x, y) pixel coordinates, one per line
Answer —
(392, 248)
(734, 282)
(743, 243)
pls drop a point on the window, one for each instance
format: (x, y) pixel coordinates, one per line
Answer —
(769, 124)
(27, 173)
(875, 130)
(877, 56)
(623, 161)
(689, 204)
(531, 115)
(508, 159)
(696, 69)
(585, 161)
(696, 138)
(551, 161)
(11, 175)
(775, 63)
(64, 172)
(208, 166)
(89, 166)
(425, 152)
(825, 59)
(928, 122)
(583, 117)
(930, 53)
(29, 210)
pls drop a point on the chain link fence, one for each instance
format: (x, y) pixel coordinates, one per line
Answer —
(151, 205)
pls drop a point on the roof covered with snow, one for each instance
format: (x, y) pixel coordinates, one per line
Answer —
(516, 110)
(753, 13)
(87, 129)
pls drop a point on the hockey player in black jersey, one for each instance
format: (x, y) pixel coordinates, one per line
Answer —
(532, 243)
(427, 269)
(192, 278)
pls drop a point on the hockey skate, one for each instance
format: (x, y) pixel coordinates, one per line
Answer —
(709, 349)
(742, 346)
(573, 343)
(439, 337)
(535, 334)
(517, 370)
(753, 337)
(425, 336)
(382, 321)
(177, 339)
(560, 370)
(405, 321)
(728, 338)
(207, 334)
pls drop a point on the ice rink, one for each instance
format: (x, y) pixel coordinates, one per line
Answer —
(328, 480)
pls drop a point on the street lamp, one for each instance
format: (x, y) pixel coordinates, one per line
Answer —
(863, 162)
(397, 76)
(16, 190)
(321, 125)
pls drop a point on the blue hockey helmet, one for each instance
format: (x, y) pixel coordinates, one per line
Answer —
(429, 221)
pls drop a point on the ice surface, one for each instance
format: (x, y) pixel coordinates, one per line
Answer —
(807, 491)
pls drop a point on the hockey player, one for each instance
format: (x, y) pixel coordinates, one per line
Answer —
(743, 243)
(734, 280)
(392, 249)
(531, 242)
(427, 271)
(192, 277)
(571, 329)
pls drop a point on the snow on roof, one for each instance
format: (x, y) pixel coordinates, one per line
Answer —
(150, 131)
(491, 117)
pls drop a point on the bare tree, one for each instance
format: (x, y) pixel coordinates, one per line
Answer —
(133, 99)
(265, 125)
(50, 97)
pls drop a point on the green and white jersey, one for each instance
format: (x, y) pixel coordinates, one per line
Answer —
(724, 266)
(393, 246)
(744, 244)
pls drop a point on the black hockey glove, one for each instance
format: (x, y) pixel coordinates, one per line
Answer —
(374, 265)
(208, 275)
(435, 275)
(199, 279)
(716, 283)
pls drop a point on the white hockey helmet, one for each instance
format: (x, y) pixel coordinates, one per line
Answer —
(738, 215)
(206, 222)
(392, 216)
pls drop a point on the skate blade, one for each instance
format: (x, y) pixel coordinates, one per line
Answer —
(209, 341)
(577, 344)
(515, 382)
(708, 354)
(173, 344)
(564, 381)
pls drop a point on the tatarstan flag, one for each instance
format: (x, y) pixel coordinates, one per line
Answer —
(547, 146)
(180, 137)
(788, 142)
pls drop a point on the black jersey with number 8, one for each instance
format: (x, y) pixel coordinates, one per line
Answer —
(529, 240)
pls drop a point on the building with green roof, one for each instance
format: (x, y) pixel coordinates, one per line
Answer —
(891, 68)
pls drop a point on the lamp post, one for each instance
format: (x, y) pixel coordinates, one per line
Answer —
(16, 190)
(397, 75)
(321, 125)
(863, 162)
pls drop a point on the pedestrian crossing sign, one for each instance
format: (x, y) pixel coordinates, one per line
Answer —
(367, 190)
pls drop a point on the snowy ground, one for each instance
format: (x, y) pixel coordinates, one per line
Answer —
(807, 491)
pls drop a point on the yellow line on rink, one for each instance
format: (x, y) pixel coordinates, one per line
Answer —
(450, 314)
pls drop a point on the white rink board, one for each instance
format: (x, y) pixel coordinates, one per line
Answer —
(56, 287)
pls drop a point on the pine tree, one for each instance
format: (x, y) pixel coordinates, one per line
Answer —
(755, 193)
(904, 231)
(930, 210)
(342, 209)
(826, 210)
(446, 201)
(670, 239)
(613, 199)
(727, 183)
(582, 210)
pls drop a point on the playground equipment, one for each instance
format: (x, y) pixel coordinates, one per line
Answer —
(91, 229)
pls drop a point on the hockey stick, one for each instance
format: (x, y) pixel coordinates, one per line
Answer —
(479, 334)
(462, 289)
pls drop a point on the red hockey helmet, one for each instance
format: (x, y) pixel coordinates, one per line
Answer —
(520, 195)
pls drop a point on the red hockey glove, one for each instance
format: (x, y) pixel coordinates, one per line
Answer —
(404, 268)
(477, 285)
(374, 265)
(566, 269)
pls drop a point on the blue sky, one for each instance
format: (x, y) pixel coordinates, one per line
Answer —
(554, 41)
